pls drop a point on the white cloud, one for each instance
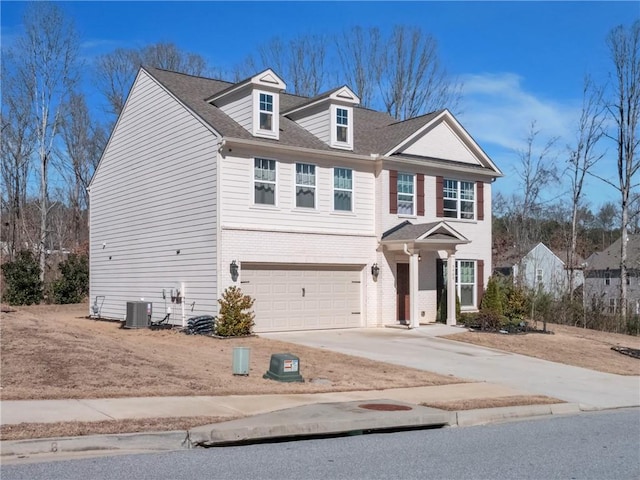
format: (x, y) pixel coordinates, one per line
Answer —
(498, 111)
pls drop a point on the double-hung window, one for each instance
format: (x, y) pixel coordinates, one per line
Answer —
(406, 194)
(465, 281)
(264, 181)
(343, 189)
(607, 278)
(342, 125)
(459, 199)
(305, 185)
(266, 111)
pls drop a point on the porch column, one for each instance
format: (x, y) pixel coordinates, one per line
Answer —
(413, 289)
(451, 288)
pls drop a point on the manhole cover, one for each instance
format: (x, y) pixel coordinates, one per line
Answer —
(384, 407)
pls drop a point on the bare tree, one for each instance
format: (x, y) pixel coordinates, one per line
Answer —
(116, 71)
(301, 62)
(48, 56)
(360, 52)
(582, 158)
(412, 80)
(624, 109)
(536, 171)
(16, 148)
(83, 144)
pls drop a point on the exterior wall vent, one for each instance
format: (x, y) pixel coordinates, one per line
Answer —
(138, 314)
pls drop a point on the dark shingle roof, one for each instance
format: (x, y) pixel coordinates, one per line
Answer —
(374, 132)
(610, 257)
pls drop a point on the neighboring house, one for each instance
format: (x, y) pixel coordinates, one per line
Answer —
(602, 277)
(328, 214)
(548, 271)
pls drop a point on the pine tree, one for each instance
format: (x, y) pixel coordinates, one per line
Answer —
(232, 319)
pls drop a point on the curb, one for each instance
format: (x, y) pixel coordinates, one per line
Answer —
(180, 439)
(151, 441)
(483, 416)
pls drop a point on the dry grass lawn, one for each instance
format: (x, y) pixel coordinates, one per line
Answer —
(54, 352)
(569, 345)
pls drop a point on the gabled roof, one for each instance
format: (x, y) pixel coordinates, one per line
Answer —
(406, 231)
(609, 259)
(375, 133)
(266, 79)
(341, 94)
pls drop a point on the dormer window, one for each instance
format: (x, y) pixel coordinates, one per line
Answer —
(266, 111)
(342, 125)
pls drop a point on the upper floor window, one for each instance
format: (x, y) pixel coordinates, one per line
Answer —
(342, 189)
(459, 199)
(342, 125)
(406, 194)
(607, 278)
(305, 185)
(264, 181)
(266, 111)
(539, 275)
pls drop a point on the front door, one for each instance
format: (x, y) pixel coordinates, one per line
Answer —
(402, 293)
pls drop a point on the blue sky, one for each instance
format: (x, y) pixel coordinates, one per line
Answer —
(518, 61)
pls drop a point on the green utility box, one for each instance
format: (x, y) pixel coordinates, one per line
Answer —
(240, 361)
(284, 367)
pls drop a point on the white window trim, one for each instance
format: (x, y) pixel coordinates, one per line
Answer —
(275, 121)
(475, 305)
(253, 185)
(459, 199)
(414, 212)
(296, 185)
(334, 189)
(348, 145)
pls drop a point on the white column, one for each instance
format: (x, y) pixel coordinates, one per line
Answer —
(413, 289)
(451, 288)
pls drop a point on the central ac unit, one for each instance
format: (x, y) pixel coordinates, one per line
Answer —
(138, 314)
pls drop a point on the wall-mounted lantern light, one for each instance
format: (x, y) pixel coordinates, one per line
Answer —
(375, 271)
(233, 269)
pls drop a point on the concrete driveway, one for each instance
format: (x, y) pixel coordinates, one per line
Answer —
(422, 349)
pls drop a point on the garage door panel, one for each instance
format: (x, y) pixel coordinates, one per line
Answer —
(299, 297)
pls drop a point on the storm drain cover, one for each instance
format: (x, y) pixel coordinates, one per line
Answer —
(385, 407)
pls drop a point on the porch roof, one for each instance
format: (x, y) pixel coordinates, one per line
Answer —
(434, 234)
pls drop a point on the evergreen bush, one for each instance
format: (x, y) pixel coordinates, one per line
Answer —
(73, 286)
(233, 320)
(492, 298)
(22, 280)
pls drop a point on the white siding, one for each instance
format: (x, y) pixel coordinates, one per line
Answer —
(237, 197)
(240, 108)
(155, 193)
(442, 142)
(318, 122)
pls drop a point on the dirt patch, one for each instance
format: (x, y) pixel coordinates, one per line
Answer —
(569, 345)
(24, 431)
(512, 401)
(53, 352)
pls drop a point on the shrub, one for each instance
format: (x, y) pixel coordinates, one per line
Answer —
(22, 277)
(491, 299)
(232, 319)
(515, 307)
(73, 287)
(441, 314)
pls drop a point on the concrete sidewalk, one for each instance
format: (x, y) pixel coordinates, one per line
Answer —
(232, 406)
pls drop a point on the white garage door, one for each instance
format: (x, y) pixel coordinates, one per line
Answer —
(304, 297)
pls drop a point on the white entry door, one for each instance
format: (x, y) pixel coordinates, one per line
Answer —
(303, 297)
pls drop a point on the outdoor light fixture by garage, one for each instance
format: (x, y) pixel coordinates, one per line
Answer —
(375, 271)
(233, 269)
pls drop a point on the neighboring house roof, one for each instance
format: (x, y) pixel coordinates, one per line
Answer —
(609, 259)
(374, 132)
(511, 257)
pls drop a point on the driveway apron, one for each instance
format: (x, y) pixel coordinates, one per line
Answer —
(420, 349)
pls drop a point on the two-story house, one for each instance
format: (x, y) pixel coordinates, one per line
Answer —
(328, 214)
(602, 277)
